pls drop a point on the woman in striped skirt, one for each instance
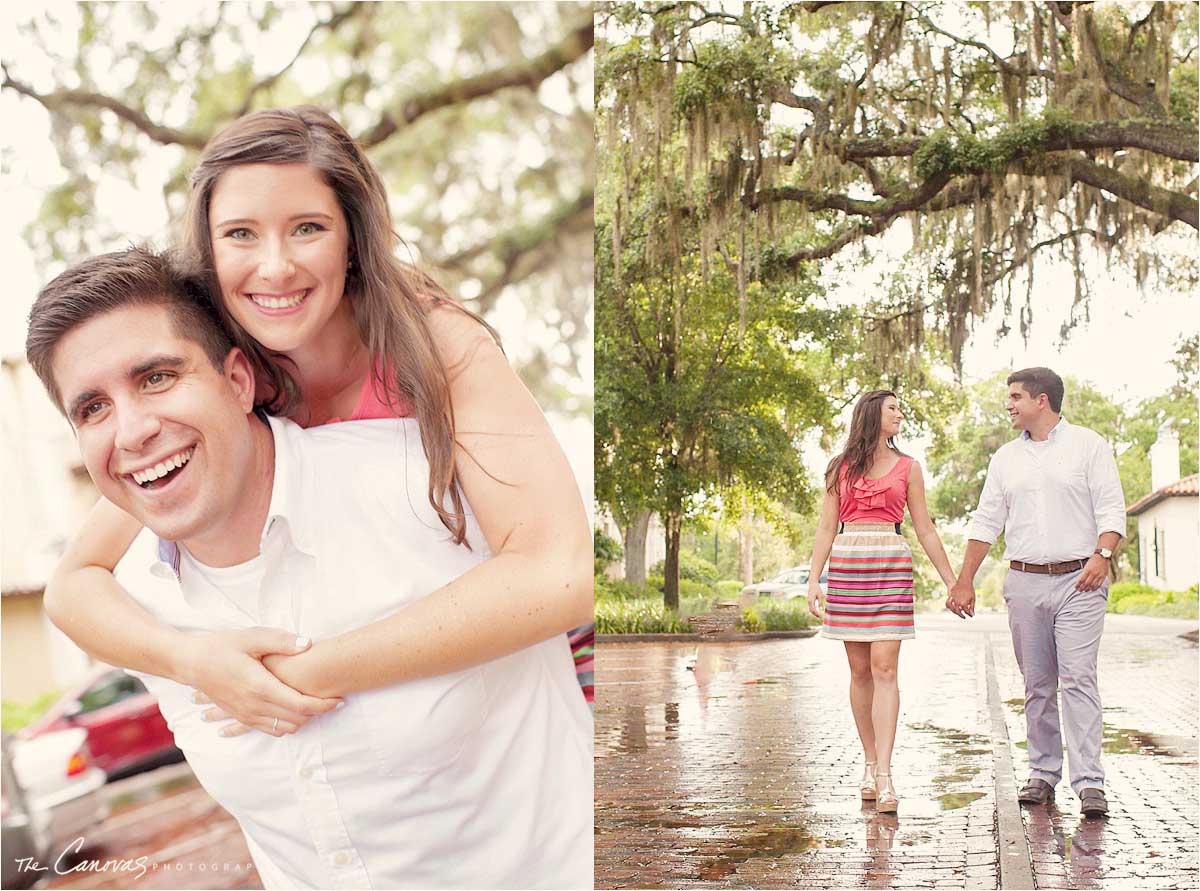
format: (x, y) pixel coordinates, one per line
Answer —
(869, 606)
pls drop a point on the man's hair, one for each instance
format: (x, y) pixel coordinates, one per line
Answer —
(136, 276)
(1037, 381)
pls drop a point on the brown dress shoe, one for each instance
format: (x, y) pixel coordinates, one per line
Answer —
(1036, 792)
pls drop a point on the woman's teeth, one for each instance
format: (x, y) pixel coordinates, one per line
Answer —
(161, 469)
(279, 302)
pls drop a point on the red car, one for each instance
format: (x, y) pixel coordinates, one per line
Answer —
(125, 730)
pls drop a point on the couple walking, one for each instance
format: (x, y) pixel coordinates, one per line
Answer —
(1055, 494)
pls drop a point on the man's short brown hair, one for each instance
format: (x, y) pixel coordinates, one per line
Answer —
(136, 276)
(1037, 381)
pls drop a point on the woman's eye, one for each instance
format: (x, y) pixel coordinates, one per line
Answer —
(309, 228)
(238, 234)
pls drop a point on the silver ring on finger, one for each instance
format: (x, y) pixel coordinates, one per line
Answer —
(275, 726)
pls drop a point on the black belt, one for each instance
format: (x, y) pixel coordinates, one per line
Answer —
(842, 527)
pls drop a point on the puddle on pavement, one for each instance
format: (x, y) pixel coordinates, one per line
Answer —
(963, 773)
(964, 739)
(952, 801)
(638, 728)
(1121, 741)
(776, 842)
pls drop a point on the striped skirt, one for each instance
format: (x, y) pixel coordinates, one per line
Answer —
(870, 585)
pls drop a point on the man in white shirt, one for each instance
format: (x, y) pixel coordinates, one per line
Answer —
(481, 778)
(1055, 493)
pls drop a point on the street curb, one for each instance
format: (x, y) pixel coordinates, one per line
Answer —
(1016, 866)
(708, 638)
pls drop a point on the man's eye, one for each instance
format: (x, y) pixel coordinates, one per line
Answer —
(157, 378)
(90, 409)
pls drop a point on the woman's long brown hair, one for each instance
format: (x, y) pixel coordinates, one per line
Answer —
(859, 452)
(390, 298)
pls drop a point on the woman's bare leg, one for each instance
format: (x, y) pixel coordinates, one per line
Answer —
(885, 707)
(862, 691)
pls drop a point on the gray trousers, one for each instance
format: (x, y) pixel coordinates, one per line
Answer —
(1056, 635)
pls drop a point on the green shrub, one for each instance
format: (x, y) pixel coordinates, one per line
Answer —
(729, 589)
(694, 606)
(619, 589)
(15, 715)
(751, 622)
(1121, 590)
(638, 617)
(691, 566)
(771, 614)
(606, 550)
(1136, 599)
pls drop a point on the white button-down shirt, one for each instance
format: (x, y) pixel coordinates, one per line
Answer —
(477, 779)
(1051, 499)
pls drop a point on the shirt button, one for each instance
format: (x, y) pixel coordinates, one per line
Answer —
(341, 858)
(306, 773)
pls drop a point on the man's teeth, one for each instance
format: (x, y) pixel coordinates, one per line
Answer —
(279, 302)
(162, 468)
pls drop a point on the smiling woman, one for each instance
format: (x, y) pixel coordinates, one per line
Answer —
(289, 242)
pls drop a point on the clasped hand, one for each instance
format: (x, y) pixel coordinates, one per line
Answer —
(961, 599)
(227, 670)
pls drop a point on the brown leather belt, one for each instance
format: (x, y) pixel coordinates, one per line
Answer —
(1048, 568)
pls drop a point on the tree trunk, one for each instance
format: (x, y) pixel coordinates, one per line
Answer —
(746, 550)
(634, 536)
(673, 522)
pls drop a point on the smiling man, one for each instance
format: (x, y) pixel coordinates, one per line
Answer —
(478, 778)
(1055, 493)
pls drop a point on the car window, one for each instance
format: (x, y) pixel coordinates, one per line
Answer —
(109, 690)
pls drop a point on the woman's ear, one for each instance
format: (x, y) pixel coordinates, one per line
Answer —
(240, 375)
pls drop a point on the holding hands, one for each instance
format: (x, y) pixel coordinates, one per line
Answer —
(961, 601)
(227, 670)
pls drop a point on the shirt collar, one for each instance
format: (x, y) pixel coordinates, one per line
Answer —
(287, 497)
(1054, 431)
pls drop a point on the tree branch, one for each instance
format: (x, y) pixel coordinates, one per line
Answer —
(332, 24)
(56, 101)
(963, 41)
(528, 74)
(527, 249)
(1144, 194)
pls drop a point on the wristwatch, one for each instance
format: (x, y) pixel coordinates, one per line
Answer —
(1106, 553)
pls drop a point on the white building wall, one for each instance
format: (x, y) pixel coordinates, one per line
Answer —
(1174, 524)
(45, 496)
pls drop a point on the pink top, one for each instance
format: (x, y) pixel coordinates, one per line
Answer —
(874, 501)
(372, 405)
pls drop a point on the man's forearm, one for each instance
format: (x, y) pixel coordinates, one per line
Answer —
(1109, 540)
(114, 627)
(973, 558)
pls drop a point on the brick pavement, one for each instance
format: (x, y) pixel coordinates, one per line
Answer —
(742, 773)
(1151, 839)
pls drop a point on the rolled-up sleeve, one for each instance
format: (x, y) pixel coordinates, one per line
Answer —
(988, 520)
(1108, 500)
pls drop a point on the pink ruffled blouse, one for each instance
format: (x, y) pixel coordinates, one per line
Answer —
(874, 501)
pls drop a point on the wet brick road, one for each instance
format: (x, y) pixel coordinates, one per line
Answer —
(164, 832)
(736, 765)
(1148, 687)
